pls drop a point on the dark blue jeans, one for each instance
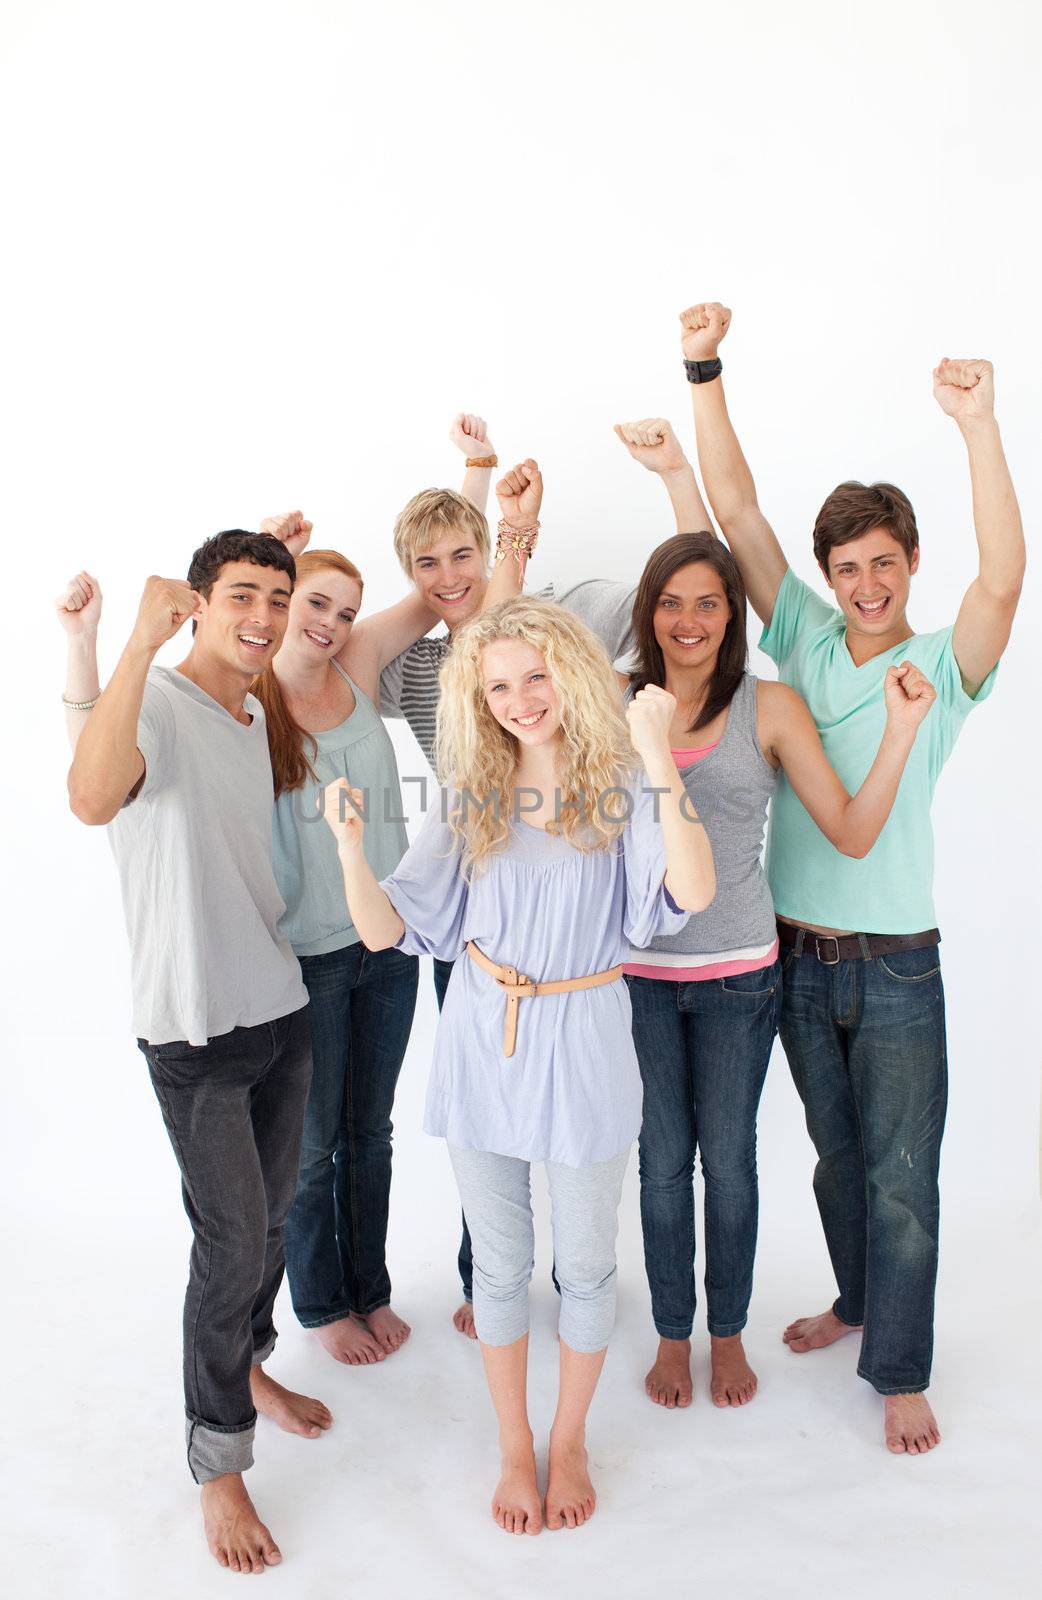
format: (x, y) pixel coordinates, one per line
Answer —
(866, 1047)
(361, 1009)
(703, 1050)
(233, 1108)
(465, 1260)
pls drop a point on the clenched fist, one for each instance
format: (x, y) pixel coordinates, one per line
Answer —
(520, 494)
(702, 327)
(909, 694)
(165, 605)
(653, 443)
(649, 715)
(343, 811)
(470, 434)
(79, 604)
(965, 390)
(292, 528)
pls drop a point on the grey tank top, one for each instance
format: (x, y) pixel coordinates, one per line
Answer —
(731, 788)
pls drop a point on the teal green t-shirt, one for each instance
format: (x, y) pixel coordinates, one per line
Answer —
(891, 889)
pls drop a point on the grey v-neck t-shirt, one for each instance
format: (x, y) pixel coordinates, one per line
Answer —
(194, 853)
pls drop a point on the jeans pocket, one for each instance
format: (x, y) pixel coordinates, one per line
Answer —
(911, 966)
(760, 983)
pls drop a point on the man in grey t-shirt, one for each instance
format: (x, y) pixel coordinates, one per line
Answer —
(176, 762)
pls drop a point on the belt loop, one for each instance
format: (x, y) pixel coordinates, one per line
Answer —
(866, 954)
(801, 934)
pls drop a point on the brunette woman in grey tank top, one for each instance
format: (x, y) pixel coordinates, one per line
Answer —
(706, 1000)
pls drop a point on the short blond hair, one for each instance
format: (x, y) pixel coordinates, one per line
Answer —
(432, 513)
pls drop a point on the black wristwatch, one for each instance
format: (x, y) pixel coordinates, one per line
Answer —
(703, 371)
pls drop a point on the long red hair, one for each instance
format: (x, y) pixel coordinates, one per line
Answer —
(287, 741)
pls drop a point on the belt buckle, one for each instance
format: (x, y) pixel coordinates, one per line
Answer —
(819, 939)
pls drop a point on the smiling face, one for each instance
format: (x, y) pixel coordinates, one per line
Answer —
(870, 578)
(691, 617)
(519, 692)
(324, 606)
(242, 623)
(451, 577)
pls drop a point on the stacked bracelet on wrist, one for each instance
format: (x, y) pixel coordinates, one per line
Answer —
(80, 705)
(482, 461)
(522, 541)
(703, 371)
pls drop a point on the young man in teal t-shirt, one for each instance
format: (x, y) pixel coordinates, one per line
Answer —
(863, 1006)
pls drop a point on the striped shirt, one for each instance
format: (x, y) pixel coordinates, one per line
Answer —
(409, 684)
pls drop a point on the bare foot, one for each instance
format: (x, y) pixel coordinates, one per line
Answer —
(463, 1320)
(294, 1413)
(733, 1382)
(387, 1328)
(814, 1333)
(236, 1535)
(570, 1496)
(669, 1381)
(911, 1427)
(350, 1342)
(516, 1505)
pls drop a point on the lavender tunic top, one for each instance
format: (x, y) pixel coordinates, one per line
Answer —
(571, 1092)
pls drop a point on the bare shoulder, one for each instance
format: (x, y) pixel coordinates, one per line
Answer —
(779, 710)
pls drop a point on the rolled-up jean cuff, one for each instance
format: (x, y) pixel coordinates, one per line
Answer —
(265, 1350)
(214, 1451)
(850, 1322)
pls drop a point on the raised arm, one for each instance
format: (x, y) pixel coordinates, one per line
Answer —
(107, 764)
(725, 471)
(520, 495)
(965, 391)
(654, 444)
(469, 433)
(852, 823)
(690, 873)
(372, 913)
(79, 612)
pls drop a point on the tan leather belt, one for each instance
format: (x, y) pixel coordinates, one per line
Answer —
(517, 988)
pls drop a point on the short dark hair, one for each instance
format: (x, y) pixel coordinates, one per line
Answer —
(854, 509)
(235, 544)
(681, 551)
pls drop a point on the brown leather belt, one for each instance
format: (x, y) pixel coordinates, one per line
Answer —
(832, 948)
(517, 988)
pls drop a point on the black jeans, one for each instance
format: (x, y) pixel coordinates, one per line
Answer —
(866, 1046)
(361, 1009)
(234, 1110)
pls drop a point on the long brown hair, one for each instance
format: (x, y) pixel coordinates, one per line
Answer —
(681, 551)
(291, 766)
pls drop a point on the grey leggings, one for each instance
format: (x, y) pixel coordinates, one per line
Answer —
(497, 1202)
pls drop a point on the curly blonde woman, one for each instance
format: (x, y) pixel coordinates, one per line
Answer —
(549, 852)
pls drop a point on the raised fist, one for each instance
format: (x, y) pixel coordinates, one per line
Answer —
(520, 494)
(165, 605)
(964, 389)
(470, 434)
(653, 443)
(701, 329)
(292, 527)
(342, 809)
(649, 715)
(79, 604)
(909, 694)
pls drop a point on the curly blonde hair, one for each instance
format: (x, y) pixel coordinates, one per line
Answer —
(477, 756)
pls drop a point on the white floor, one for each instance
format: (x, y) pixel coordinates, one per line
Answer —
(792, 1494)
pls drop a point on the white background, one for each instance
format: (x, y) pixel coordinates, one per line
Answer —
(256, 256)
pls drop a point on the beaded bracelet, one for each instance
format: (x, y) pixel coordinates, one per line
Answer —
(522, 541)
(80, 705)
